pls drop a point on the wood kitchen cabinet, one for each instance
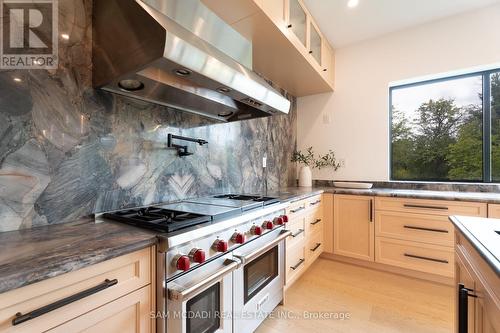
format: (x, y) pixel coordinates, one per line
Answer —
(123, 301)
(494, 211)
(307, 224)
(354, 227)
(483, 284)
(284, 35)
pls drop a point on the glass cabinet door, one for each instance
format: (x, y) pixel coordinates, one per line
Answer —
(297, 20)
(315, 43)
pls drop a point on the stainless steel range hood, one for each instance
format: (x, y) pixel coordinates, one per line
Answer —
(140, 50)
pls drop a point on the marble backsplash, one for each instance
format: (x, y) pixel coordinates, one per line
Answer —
(68, 150)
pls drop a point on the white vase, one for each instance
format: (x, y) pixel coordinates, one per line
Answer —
(305, 176)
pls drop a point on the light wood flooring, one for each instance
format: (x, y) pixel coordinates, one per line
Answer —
(377, 302)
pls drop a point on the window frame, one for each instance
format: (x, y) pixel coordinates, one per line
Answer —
(486, 128)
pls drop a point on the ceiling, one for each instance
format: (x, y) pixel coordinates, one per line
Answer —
(372, 18)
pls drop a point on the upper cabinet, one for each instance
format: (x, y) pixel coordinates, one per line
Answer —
(297, 21)
(288, 46)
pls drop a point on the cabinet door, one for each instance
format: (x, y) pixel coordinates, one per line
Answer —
(494, 211)
(127, 314)
(327, 62)
(353, 227)
(297, 20)
(315, 43)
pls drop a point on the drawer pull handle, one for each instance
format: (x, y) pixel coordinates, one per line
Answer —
(316, 247)
(425, 207)
(315, 202)
(21, 318)
(297, 233)
(442, 261)
(316, 222)
(297, 210)
(297, 265)
(425, 229)
(463, 307)
(371, 210)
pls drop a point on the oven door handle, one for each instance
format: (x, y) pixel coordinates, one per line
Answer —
(190, 291)
(252, 255)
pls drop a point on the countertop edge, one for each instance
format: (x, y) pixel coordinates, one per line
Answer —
(71, 264)
(478, 246)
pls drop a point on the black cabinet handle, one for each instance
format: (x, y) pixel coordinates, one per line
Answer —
(371, 210)
(324, 69)
(310, 52)
(21, 318)
(425, 207)
(463, 308)
(297, 265)
(442, 261)
(289, 26)
(297, 210)
(316, 222)
(425, 229)
(316, 247)
(315, 202)
(297, 233)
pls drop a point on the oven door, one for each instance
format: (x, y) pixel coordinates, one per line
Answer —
(201, 300)
(259, 282)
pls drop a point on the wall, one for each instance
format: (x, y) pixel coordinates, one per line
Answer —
(354, 120)
(68, 150)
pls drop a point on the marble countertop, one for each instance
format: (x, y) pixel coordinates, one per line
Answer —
(31, 255)
(295, 193)
(482, 233)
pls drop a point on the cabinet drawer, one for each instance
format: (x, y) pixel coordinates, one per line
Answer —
(297, 227)
(315, 245)
(131, 272)
(296, 209)
(314, 223)
(434, 207)
(425, 228)
(130, 313)
(417, 256)
(295, 262)
(314, 203)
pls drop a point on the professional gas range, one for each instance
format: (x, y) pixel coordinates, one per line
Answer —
(219, 259)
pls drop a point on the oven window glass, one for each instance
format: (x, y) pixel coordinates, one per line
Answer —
(203, 311)
(260, 272)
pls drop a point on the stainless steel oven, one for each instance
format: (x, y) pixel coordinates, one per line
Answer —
(259, 281)
(201, 301)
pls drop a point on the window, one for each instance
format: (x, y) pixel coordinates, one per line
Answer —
(447, 129)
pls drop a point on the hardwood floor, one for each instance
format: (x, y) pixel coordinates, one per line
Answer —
(376, 302)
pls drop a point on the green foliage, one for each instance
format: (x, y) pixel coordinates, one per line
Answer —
(327, 161)
(306, 158)
(323, 161)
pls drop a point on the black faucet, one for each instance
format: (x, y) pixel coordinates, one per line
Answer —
(183, 150)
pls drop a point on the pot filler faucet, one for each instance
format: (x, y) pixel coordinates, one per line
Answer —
(183, 150)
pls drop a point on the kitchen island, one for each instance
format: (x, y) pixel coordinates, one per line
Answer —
(477, 274)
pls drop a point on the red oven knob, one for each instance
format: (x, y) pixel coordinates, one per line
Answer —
(268, 225)
(278, 221)
(285, 218)
(238, 238)
(256, 230)
(220, 245)
(182, 263)
(197, 255)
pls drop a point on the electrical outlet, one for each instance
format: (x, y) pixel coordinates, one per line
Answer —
(326, 118)
(342, 162)
(264, 161)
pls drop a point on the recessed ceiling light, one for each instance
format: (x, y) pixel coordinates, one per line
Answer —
(65, 36)
(16, 79)
(352, 3)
